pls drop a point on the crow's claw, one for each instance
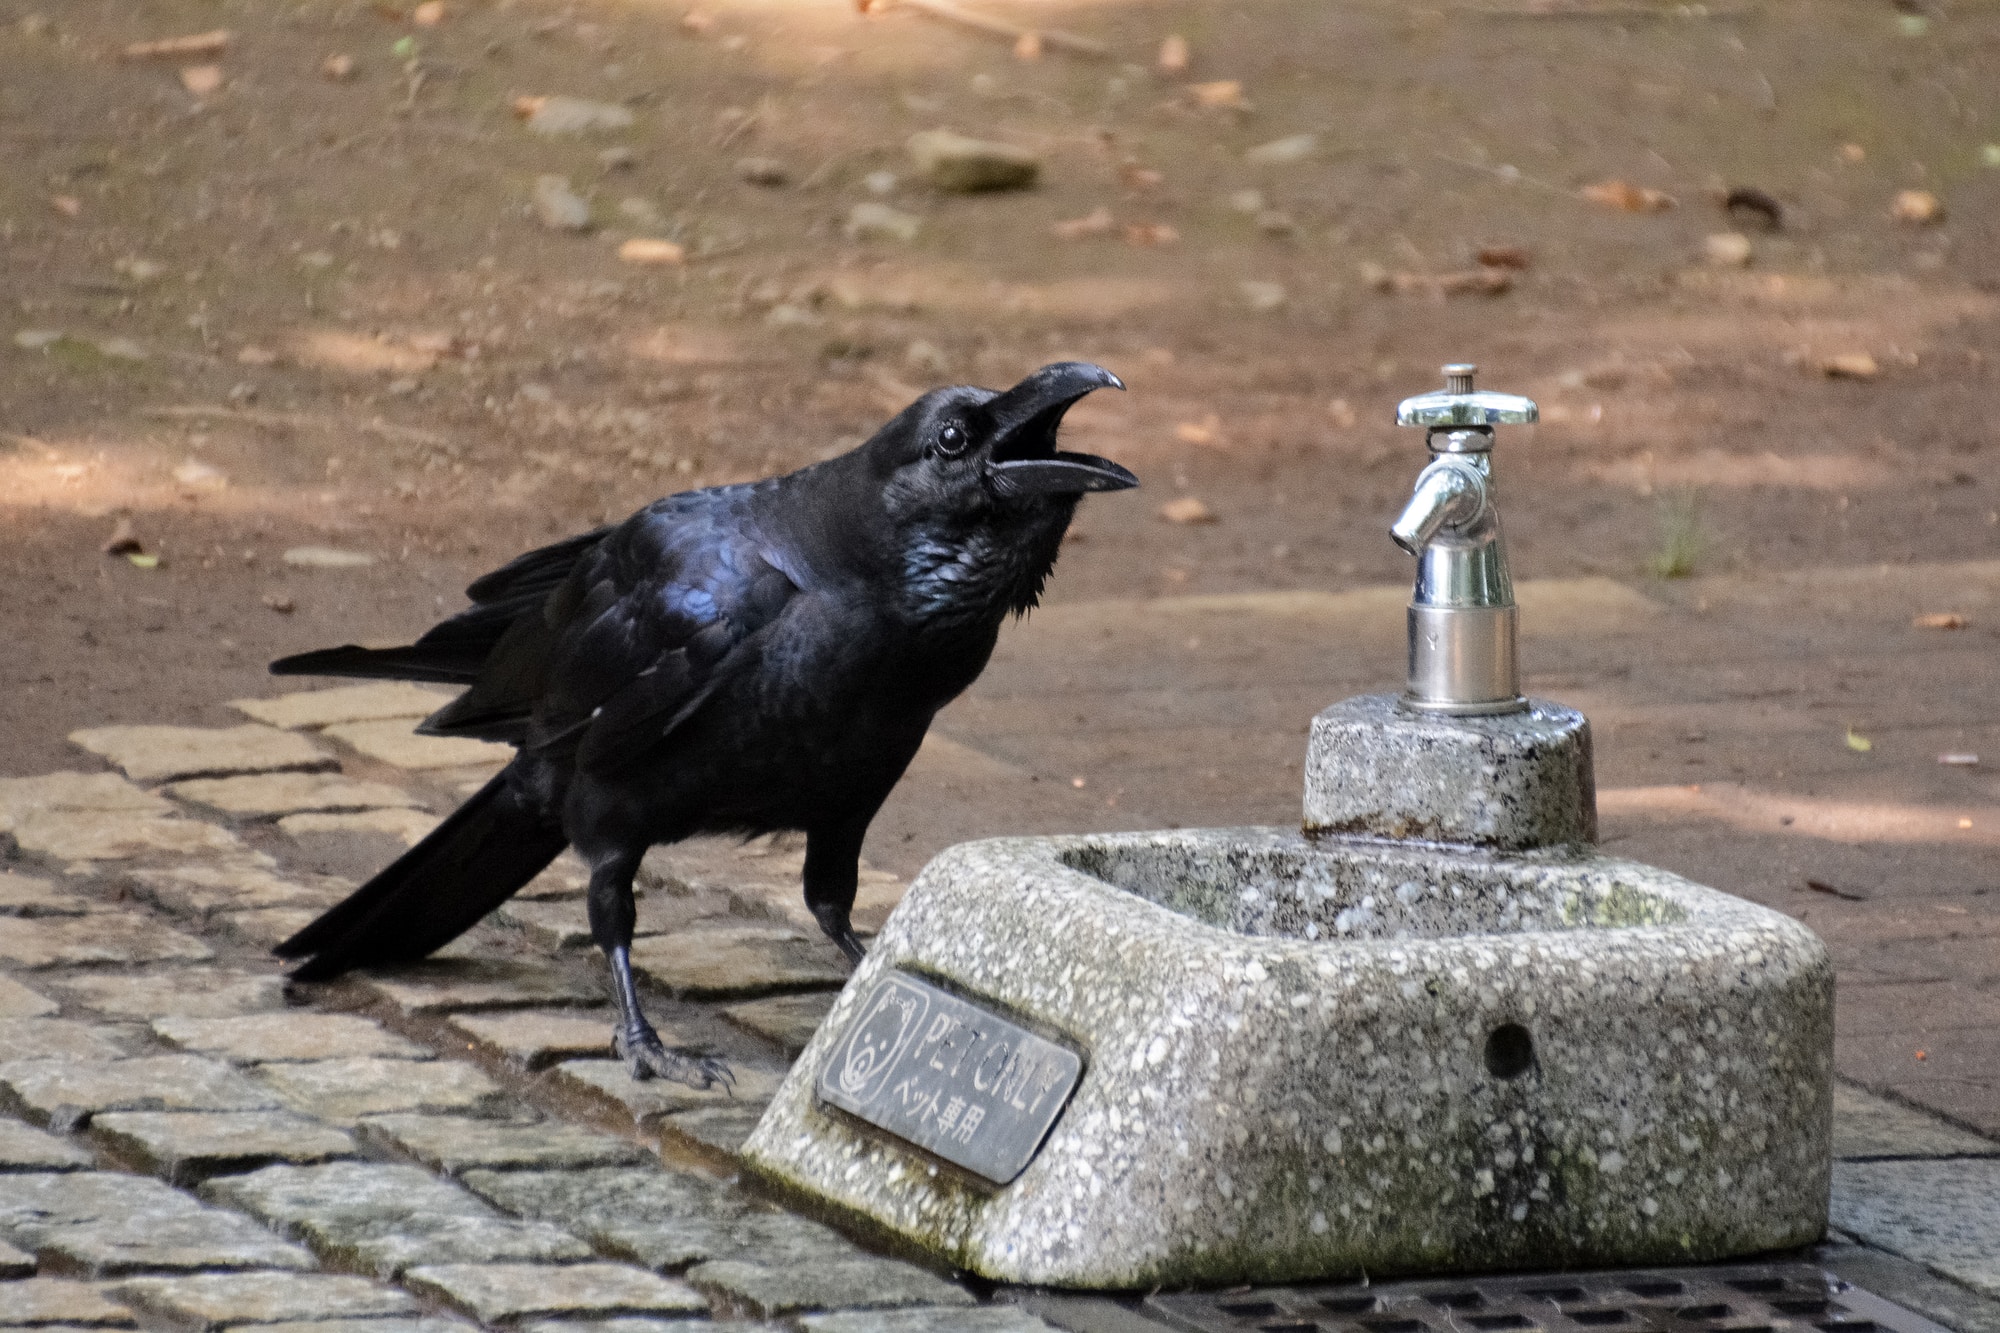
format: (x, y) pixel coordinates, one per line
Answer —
(646, 1056)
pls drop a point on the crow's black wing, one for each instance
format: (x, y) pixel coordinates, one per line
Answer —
(628, 644)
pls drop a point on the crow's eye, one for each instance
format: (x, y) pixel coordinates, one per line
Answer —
(951, 441)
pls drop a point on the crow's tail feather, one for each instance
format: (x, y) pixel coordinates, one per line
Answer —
(481, 856)
(415, 662)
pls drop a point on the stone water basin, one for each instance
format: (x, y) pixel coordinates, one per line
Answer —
(1319, 1058)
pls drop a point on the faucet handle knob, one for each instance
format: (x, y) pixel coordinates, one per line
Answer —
(1460, 405)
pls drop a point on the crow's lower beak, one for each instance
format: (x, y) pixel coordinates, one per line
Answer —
(1024, 459)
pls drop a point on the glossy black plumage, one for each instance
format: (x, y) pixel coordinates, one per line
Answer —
(741, 659)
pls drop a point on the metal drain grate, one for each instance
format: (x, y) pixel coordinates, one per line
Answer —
(1752, 1298)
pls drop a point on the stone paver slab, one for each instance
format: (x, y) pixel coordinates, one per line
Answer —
(106, 793)
(255, 1039)
(101, 937)
(64, 1038)
(551, 924)
(211, 1301)
(1866, 1126)
(493, 1293)
(14, 1264)
(342, 1091)
(183, 1147)
(714, 1129)
(653, 1324)
(788, 1020)
(661, 1218)
(201, 992)
(345, 703)
(268, 795)
(765, 1290)
(424, 1324)
(102, 1224)
(444, 986)
(235, 883)
(387, 1218)
(64, 1094)
(566, 877)
(933, 1319)
(535, 1039)
(728, 962)
(608, 1083)
(457, 1144)
(62, 1302)
(268, 926)
(409, 825)
(394, 742)
(25, 895)
(154, 754)
(82, 836)
(17, 1001)
(25, 1148)
(1942, 1213)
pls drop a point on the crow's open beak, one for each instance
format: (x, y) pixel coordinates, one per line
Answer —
(1024, 458)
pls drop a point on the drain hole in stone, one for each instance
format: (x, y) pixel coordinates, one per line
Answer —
(1348, 1304)
(1562, 1294)
(1510, 1051)
(1704, 1313)
(1250, 1309)
(1652, 1289)
(1599, 1316)
(1292, 1326)
(1757, 1285)
(1393, 1325)
(1499, 1321)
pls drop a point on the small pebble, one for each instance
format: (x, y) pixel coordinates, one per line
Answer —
(1918, 207)
(880, 222)
(1727, 249)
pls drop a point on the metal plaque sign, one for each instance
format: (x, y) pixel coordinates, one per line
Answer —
(953, 1078)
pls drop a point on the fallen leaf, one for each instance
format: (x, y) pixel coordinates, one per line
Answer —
(339, 68)
(326, 557)
(1918, 207)
(1206, 432)
(1727, 249)
(1821, 886)
(1097, 222)
(1959, 760)
(1503, 256)
(202, 80)
(429, 14)
(1629, 198)
(1150, 233)
(1939, 620)
(1923, 1055)
(1850, 366)
(280, 603)
(1219, 95)
(141, 560)
(647, 250)
(200, 44)
(1858, 743)
(1173, 57)
(1187, 510)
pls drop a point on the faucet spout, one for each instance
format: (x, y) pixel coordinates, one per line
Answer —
(1451, 492)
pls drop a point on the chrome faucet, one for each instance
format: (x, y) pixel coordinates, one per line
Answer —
(1462, 614)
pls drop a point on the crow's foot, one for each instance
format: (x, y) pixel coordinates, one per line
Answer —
(646, 1056)
(833, 921)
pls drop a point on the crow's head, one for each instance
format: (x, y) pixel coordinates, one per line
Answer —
(976, 489)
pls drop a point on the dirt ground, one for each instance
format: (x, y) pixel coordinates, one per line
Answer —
(301, 311)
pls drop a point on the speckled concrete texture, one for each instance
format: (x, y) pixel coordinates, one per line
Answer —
(1515, 781)
(1315, 1059)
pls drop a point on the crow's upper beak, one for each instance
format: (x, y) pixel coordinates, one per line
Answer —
(1024, 459)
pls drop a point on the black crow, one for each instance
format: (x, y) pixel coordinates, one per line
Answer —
(734, 660)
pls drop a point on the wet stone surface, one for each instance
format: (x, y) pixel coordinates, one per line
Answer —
(454, 1145)
(725, 962)
(467, 985)
(183, 1147)
(102, 1224)
(494, 1293)
(64, 1039)
(948, 1319)
(103, 937)
(197, 992)
(537, 1039)
(772, 1289)
(608, 1083)
(64, 1303)
(345, 703)
(787, 1020)
(1944, 1213)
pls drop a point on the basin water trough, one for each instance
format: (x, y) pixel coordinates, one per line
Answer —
(1432, 1030)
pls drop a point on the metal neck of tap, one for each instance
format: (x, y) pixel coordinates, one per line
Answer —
(1462, 617)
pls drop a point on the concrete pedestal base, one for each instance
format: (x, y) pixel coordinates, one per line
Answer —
(1320, 1058)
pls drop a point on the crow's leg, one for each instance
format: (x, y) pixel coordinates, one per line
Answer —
(612, 916)
(833, 858)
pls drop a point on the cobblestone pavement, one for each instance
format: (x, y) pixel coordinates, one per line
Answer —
(185, 1143)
